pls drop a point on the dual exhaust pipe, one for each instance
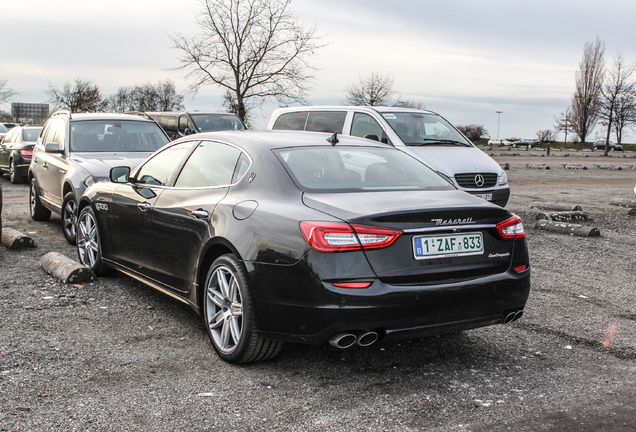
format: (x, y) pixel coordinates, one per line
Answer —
(511, 316)
(345, 340)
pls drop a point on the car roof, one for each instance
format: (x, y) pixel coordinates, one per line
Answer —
(280, 139)
(379, 109)
(102, 116)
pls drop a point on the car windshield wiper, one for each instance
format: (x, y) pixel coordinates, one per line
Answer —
(434, 141)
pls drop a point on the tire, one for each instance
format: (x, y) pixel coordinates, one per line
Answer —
(229, 317)
(89, 247)
(14, 177)
(36, 209)
(69, 218)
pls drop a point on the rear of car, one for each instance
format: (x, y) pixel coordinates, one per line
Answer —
(17, 151)
(394, 251)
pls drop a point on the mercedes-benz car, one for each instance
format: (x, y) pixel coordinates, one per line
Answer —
(306, 237)
(16, 150)
(76, 150)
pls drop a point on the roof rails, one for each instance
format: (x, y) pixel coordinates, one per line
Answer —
(62, 112)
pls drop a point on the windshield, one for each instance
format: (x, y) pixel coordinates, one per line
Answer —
(217, 122)
(344, 168)
(116, 136)
(417, 129)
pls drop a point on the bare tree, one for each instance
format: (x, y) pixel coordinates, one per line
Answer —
(83, 96)
(147, 97)
(618, 84)
(624, 114)
(546, 135)
(6, 92)
(167, 97)
(473, 132)
(372, 90)
(589, 79)
(563, 123)
(252, 48)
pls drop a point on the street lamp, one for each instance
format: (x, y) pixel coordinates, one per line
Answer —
(498, 121)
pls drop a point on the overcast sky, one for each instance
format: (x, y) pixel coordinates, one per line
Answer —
(464, 59)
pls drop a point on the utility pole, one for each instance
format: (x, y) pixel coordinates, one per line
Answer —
(498, 121)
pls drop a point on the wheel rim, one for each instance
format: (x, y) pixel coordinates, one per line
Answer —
(12, 172)
(87, 241)
(32, 198)
(224, 309)
(70, 218)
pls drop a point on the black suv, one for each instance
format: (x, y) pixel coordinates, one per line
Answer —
(77, 150)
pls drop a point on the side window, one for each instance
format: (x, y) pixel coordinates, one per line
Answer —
(11, 137)
(365, 126)
(326, 121)
(291, 121)
(184, 123)
(211, 164)
(55, 133)
(157, 171)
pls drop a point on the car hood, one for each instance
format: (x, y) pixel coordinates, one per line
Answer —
(99, 164)
(451, 160)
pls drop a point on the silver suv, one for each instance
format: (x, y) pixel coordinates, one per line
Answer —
(76, 150)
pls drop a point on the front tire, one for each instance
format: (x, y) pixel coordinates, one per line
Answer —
(36, 209)
(69, 218)
(89, 248)
(229, 317)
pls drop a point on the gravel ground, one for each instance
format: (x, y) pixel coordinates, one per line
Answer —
(115, 355)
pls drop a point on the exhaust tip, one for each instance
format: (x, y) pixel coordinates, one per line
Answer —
(342, 340)
(512, 316)
(367, 338)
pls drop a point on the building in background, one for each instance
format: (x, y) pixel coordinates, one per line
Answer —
(29, 113)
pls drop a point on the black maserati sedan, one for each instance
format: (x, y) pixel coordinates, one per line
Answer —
(306, 237)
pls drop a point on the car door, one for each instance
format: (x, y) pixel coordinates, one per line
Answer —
(131, 206)
(5, 150)
(49, 168)
(181, 219)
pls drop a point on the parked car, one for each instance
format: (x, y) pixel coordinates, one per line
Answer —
(77, 150)
(500, 142)
(178, 124)
(422, 134)
(600, 145)
(527, 143)
(3, 131)
(16, 150)
(306, 237)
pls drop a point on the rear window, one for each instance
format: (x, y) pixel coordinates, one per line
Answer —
(344, 168)
(113, 136)
(313, 121)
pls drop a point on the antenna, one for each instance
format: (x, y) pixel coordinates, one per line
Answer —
(333, 139)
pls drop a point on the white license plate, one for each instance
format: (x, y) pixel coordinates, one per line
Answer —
(448, 245)
(487, 197)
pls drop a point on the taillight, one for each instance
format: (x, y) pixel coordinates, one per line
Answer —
(511, 229)
(340, 237)
(352, 285)
(26, 153)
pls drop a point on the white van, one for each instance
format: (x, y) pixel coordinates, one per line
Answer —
(424, 134)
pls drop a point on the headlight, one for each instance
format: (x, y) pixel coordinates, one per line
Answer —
(503, 178)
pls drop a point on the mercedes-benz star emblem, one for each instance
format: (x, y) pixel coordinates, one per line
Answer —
(479, 180)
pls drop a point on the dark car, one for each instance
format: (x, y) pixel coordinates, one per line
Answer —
(3, 131)
(288, 236)
(77, 150)
(16, 151)
(600, 145)
(179, 124)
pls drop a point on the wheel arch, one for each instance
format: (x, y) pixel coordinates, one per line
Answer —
(215, 248)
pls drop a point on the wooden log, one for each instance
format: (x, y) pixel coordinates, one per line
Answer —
(556, 206)
(65, 269)
(537, 166)
(566, 228)
(566, 216)
(14, 239)
(622, 202)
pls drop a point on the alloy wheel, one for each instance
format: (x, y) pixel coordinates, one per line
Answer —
(87, 241)
(224, 309)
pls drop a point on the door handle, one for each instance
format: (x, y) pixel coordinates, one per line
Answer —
(45, 165)
(144, 206)
(200, 214)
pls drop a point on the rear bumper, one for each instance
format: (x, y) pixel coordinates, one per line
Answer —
(393, 311)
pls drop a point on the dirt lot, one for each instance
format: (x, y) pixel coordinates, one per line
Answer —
(115, 355)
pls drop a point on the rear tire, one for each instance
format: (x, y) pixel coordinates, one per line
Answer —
(69, 218)
(36, 209)
(89, 247)
(229, 317)
(14, 177)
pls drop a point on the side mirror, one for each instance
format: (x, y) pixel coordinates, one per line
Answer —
(373, 137)
(188, 131)
(119, 174)
(52, 147)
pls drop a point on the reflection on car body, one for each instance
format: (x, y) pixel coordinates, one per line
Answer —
(282, 236)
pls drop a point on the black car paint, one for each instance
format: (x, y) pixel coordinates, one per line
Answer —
(157, 238)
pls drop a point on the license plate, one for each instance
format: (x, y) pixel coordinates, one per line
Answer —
(448, 245)
(487, 197)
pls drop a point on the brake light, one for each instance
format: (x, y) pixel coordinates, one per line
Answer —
(340, 237)
(26, 153)
(352, 285)
(511, 229)
(521, 268)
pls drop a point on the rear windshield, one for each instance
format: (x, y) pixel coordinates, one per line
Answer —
(216, 122)
(344, 168)
(31, 134)
(116, 136)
